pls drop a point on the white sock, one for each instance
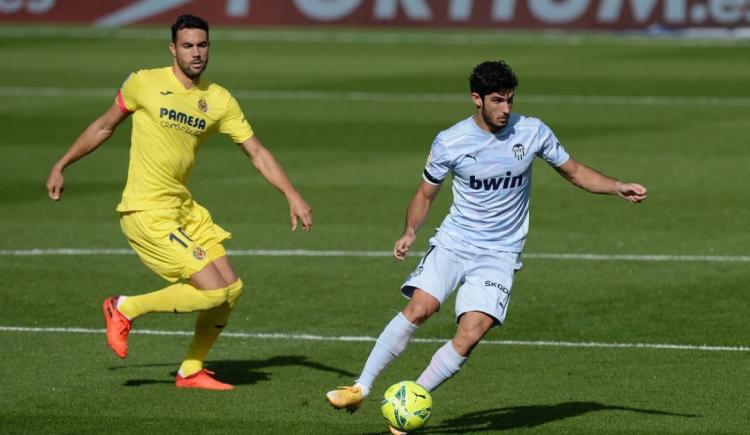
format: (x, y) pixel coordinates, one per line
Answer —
(365, 389)
(391, 342)
(445, 363)
(120, 300)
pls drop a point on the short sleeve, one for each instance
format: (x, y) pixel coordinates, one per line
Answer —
(127, 96)
(234, 124)
(551, 149)
(438, 165)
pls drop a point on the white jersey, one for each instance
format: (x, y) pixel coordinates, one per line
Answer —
(491, 179)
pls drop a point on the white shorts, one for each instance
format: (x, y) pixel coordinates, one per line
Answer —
(484, 278)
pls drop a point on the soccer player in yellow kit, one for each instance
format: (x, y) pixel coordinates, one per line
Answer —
(174, 110)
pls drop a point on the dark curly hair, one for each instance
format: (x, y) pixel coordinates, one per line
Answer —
(188, 22)
(492, 76)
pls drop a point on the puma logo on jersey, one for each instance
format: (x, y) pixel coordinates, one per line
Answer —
(496, 183)
(166, 92)
(472, 156)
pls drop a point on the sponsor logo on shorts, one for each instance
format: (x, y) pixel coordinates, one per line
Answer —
(497, 285)
(417, 272)
(199, 253)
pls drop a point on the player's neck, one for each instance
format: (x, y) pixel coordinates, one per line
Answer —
(186, 81)
(479, 121)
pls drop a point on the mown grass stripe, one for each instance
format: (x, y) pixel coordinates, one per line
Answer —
(415, 97)
(343, 253)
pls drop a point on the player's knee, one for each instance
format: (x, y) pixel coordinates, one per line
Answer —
(421, 306)
(235, 291)
(464, 342)
(417, 313)
(463, 346)
(467, 338)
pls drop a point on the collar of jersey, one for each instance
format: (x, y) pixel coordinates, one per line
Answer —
(503, 131)
(179, 84)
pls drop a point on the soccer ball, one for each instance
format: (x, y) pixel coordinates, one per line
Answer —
(406, 406)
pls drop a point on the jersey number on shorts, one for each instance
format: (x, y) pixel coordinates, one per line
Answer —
(174, 238)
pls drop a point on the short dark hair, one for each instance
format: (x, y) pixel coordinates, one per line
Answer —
(492, 76)
(188, 22)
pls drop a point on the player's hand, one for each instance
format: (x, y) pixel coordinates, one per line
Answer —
(55, 183)
(632, 192)
(298, 209)
(401, 248)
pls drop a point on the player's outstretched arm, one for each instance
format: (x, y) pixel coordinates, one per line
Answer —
(594, 181)
(272, 171)
(99, 131)
(419, 206)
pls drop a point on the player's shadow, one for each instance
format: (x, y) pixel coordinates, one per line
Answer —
(238, 372)
(516, 417)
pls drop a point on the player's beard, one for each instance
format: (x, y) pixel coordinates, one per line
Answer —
(490, 121)
(190, 73)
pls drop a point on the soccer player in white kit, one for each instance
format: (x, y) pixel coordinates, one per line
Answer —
(478, 246)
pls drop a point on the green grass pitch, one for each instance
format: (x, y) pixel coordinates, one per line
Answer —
(351, 116)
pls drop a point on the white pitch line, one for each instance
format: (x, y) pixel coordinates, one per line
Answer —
(404, 97)
(633, 257)
(342, 253)
(360, 339)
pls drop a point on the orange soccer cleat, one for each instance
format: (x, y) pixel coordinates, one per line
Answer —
(118, 327)
(349, 398)
(202, 380)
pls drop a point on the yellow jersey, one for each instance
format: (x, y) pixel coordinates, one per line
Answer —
(169, 124)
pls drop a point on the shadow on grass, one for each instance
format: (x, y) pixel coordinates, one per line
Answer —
(516, 417)
(239, 372)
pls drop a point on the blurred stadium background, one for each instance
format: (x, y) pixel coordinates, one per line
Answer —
(536, 14)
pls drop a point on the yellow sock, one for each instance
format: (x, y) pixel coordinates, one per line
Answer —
(235, 291)
(208, 326)
(177, 298)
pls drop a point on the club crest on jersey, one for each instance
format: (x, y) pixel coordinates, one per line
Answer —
(202, 105)
(519, 151)
(199, 253)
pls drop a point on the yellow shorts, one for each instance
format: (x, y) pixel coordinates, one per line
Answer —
(174, 242)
